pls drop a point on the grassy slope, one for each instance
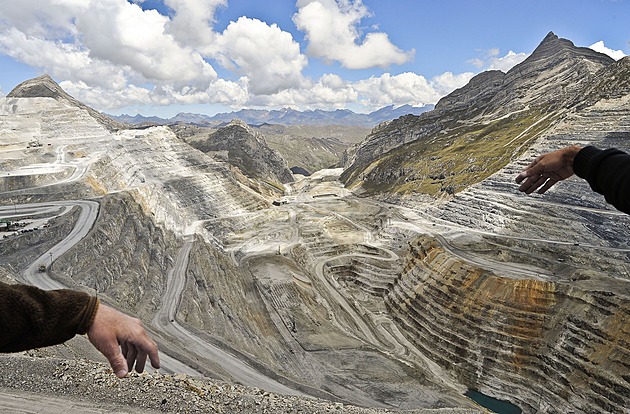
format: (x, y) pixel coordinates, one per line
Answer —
(450, 161)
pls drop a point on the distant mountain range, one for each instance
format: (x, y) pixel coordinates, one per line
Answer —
(286, 116)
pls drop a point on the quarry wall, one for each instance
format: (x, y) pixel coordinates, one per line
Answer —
(541, 345)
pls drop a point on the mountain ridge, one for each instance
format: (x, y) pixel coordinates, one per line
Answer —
(286, 116)
(247, 149)
(512, 108)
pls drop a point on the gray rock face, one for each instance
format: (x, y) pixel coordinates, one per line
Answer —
(518, 296)
(248, 150)
(45, 87)
(547, 346)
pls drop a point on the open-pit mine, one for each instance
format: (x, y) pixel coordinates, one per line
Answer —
(337, 285)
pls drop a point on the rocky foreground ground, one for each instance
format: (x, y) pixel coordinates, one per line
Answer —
(36, 385)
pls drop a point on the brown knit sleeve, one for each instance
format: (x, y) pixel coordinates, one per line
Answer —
(33, 318)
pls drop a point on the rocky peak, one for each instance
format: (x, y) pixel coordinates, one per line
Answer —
(556, 76)
(41, 87)
(248, 150)
(554, 47)
(45, 87)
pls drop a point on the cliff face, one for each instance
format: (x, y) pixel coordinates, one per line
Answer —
(542, 345)
(248, 150)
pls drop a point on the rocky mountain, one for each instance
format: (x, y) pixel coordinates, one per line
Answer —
(230, 284)
(287, 116)
(476, 129)
(308, 148)
(45, 86)
(247, 149)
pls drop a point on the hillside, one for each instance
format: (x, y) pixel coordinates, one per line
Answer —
(246, 149)
(308, 147)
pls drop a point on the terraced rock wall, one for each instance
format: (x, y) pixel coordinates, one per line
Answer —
(126, 257)
(222, 300)
(544, 346)
(19, 182)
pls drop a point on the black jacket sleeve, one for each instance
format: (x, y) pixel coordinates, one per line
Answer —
(33, 318)
(607, 172)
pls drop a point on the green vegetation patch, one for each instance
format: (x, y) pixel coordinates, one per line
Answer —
(449, 162)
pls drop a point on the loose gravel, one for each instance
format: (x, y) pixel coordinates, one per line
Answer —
(94, 384)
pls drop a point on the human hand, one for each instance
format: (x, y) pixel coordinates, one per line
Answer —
(547, 169)
(122, 340)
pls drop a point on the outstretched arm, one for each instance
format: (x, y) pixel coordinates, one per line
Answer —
(122, 340)
(547, 169)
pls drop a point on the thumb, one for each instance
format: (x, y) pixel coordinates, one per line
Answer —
(116, 360)
(119, 365)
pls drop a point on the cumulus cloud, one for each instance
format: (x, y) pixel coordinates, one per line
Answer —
(112, 54)
(37, 18)
(138, 39)
(407, 88)
(332, 34)
(268, 56)
(2, 95)
(192, 23)
(219, 91)
(490, 60)
(507, 62)
(599, 47)
(329, 92)
(332, 92)
(62, 60)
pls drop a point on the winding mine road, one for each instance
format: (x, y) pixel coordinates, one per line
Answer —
(165, 321)
(165, 318)
(89, 212)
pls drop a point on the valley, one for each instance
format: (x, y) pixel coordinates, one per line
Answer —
(402, 281)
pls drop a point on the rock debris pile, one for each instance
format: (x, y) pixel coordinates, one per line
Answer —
(86, 381)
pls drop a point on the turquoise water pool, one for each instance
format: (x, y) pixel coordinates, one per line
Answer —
(498, 406)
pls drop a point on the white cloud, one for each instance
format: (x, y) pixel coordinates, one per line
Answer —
(62, 60)
(192, 23)
(111, 54)
(332, 34)
(407, 88)
(42, 18)
(219, 91)
(1, 93)
(506, 62)
(268, 56)
(124, 34)
(490, 60)
(599, 47)
(330, 92)
(448, 82)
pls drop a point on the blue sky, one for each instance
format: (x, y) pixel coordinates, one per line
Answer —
(161, 57)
